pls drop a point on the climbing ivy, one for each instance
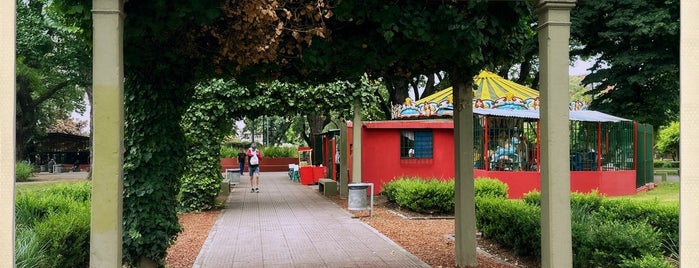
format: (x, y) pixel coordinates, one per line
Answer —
(206, 122)
(152, 167)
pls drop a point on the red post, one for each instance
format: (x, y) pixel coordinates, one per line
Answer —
(599, 146)
(486, 163)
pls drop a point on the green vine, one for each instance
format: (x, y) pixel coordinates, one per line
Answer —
(205, 123)
(153, 163)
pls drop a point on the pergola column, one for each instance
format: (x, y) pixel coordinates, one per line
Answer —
(554, 32)
(357, 141)
(689, 131)
(108, 124)
(7, 133)
(464, 194)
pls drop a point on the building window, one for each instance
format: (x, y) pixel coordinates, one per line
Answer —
(416, 144)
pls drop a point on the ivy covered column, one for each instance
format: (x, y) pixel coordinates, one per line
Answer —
(7, 133)
(108, 136)
(554, 32)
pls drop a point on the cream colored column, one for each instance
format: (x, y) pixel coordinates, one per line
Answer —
(357, 141)
(689, 131)
(7, 133)
(554, 32)
(344, 191)
(108, 116)
(464, 197)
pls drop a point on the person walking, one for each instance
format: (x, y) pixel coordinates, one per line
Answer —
(241, 160)
(254, 157)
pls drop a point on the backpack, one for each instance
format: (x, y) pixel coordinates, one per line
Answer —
(254, 160)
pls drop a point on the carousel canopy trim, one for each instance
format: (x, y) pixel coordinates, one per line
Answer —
(588, 116)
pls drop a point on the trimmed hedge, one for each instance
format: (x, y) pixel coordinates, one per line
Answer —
(666, 164)
(433, 196)
(436, 196)
(601, 228)
(605, 232)
(511, 223)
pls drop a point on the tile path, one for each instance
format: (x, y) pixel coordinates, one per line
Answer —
(287, 224)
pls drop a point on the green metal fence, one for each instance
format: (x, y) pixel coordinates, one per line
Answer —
(644, 154)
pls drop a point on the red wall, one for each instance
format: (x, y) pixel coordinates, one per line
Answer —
(381, 163)
(381, 160)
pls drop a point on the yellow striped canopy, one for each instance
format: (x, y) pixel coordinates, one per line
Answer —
(491, 87)
(493, 92)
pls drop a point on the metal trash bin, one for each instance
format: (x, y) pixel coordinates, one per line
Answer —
(357, 198)
(233, 175)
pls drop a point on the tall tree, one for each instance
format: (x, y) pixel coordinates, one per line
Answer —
(636, 74)
(50, 72)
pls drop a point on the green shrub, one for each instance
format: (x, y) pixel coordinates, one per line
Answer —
(29, 253)
(590, 201)
(662, 216)
(55, 217)
(23, 171)
(67, 238)
(276, 152)
(533, 198)
(487, 187)
(228, 152)
(511, 223)
(606, 243)
(666, 164)
(433, 196)
(647, 261)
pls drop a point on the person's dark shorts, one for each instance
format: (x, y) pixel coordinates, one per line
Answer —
(254, 169)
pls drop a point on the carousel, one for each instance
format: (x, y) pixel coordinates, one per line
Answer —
(608, 154)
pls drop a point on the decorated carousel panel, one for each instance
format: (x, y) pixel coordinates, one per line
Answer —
(493, 92)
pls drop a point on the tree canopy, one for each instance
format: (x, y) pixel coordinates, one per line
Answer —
(636, 42)
(51, 72)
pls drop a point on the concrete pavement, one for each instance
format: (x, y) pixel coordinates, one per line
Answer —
(287, 224)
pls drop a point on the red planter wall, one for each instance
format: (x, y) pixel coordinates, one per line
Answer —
(266, 164)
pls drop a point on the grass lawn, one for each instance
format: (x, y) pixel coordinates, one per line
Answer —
(32, 187)
(667, 191)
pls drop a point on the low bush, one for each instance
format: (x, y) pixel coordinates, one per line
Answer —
(662, 216)
(511, 223)
(436, 196)
(433, 196)
(645, 262)
(229, 152)
(666, 164)
(277, 152)
(487, 187)
(590, 201)
(50, 219)
(61, 230)
(23, 171)
(600, 242)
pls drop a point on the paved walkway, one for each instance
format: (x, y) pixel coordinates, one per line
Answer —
(287, 224)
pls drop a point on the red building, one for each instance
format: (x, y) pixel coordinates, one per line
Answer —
(425, 149)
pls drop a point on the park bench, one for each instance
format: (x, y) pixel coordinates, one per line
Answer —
(327, 186)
